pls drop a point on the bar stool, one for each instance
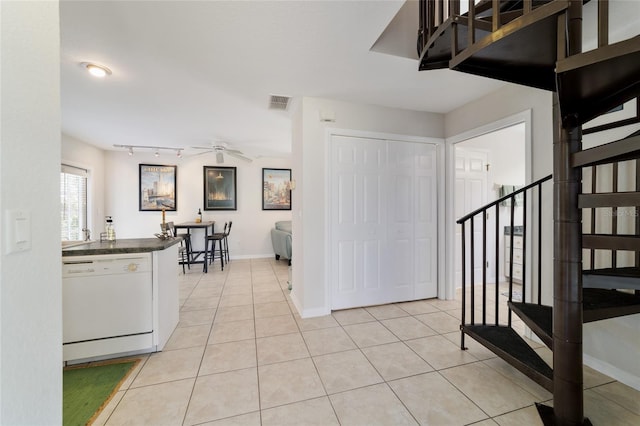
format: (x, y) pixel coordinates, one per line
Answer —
(210, 249)
(225, 249)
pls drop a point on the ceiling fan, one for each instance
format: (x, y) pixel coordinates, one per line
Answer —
(221, 148)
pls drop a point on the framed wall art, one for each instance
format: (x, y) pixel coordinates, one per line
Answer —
(220, 191)
(625, 114)
(276, 189)
(157, 187)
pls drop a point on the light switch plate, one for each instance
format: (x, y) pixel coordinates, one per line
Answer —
(17, 230)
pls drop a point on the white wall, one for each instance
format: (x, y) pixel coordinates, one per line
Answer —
(30, 281)
(310, 289)
(81, 154)
(250, 234)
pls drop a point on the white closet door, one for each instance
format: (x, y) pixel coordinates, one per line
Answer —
(383, 245)
(425, 222)
(400, 274)
(358, 221)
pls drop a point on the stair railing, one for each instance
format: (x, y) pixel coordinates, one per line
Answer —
(610, 218)
(432, 13)
(526, 192)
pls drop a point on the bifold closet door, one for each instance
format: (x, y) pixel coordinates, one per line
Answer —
(383, 245)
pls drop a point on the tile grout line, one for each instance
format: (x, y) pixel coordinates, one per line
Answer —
(186, 411)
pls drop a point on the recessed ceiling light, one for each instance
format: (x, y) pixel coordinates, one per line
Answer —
(96, 70)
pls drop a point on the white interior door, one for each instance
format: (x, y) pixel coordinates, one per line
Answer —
(470, 194)
(383, 221)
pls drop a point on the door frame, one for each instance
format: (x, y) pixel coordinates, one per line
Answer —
(440, 188)
(449, 148)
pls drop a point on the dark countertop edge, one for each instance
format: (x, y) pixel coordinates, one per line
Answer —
(131, 245)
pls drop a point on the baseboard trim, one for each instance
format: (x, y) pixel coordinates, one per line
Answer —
(307, 313)
(253, 256)
(315, 312)
(612, 371)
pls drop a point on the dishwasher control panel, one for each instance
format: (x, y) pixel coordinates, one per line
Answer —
(82, 266)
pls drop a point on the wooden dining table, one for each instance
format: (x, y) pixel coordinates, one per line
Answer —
(197, 254)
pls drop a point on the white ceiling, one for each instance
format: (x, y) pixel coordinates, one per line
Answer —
(189, 73)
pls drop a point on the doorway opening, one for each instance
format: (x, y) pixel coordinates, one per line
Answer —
(488, 167)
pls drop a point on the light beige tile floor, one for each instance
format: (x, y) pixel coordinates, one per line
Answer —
(241, 355)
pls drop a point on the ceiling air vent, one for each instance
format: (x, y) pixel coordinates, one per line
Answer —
(279, 102)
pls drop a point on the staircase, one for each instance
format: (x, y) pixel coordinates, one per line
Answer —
(596, 275)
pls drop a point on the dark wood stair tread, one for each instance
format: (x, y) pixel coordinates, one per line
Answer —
(611, 242)
(612, 278)
(620, 150)
(599, 304)
(508, 345)
(609, 199)
(539, 318)
(594, 82)
(523, 51)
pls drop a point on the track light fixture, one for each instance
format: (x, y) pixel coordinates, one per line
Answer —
(156, 149)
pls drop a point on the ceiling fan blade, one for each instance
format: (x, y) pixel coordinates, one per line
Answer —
(238, 156)
(201, 153)
(209, 148)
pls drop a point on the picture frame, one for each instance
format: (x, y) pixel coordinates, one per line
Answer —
(276, 189)
(157, 187)
(219, 189)
(623, 115)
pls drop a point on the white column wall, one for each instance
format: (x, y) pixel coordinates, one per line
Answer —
(30, 281)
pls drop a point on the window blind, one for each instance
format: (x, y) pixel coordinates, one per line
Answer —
(73, 202)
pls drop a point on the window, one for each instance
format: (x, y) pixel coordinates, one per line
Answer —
(73, 202)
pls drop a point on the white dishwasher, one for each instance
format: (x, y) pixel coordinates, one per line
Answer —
(107, 304)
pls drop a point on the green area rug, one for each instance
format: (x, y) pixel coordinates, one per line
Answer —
(87, 389)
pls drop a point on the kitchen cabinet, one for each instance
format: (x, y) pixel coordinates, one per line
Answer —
(517, 253)
(119, 298)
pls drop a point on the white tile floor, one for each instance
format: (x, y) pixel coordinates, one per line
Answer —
(242, 356)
